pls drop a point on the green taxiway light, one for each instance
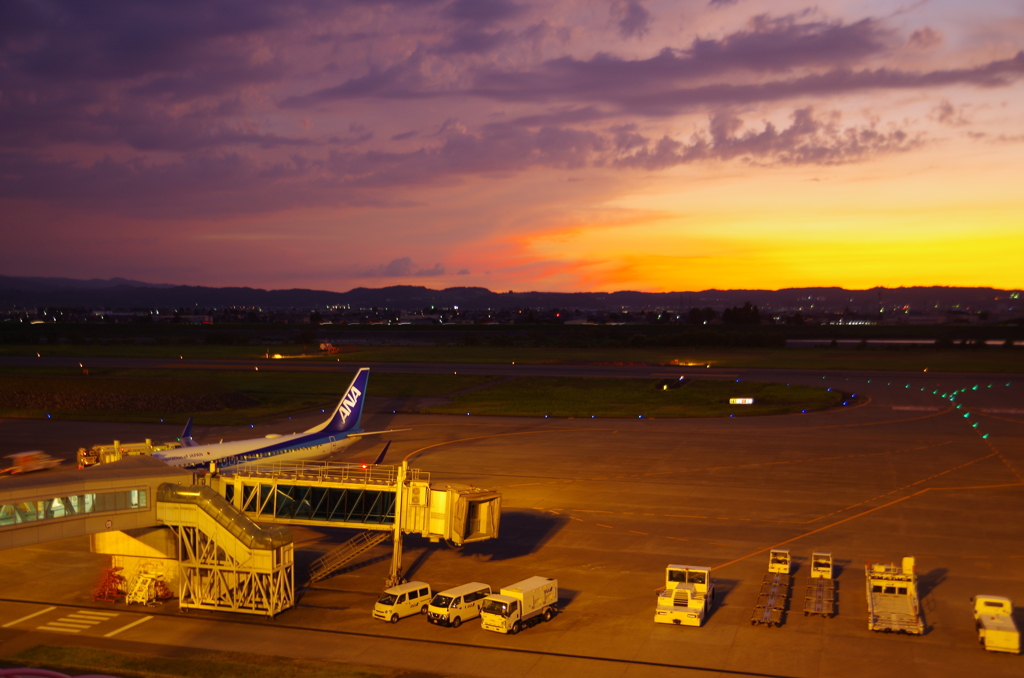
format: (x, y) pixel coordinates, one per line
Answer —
(985, 436)
(974, 425)
(975, 388)
(967, 414)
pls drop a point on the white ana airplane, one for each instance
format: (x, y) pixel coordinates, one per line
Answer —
(339, 431)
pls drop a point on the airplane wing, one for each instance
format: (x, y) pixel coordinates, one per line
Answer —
(377, 433)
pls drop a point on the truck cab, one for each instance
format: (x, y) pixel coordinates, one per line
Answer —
(688, 596)
(401, 601)
(821, 565)
(993, 617)
(520, 605)
(779, 561)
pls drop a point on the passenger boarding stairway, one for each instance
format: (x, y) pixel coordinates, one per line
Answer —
(339, 557)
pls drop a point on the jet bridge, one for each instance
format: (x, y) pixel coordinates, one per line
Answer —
(329, 494)
(376, 499)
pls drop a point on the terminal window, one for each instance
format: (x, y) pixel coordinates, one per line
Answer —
(53, 508)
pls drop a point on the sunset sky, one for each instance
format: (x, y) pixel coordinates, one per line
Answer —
(559, 145)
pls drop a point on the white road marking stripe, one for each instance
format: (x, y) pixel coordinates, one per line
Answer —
(34, 614)
(90, 613)
(74, 625)
(56, 628)
(125, 628)
(91, 620)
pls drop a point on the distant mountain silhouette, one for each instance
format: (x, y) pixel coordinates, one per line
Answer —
(119, 293)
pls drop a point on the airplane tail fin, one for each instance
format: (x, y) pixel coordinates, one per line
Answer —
(186, 435)
(347, 415)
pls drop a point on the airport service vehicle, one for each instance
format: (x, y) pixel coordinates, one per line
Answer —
(993, 615)
(451, 607)
(820, 597)
(26, 462)
(518, 605)
(104, 454)
(775, 590)
(401, 601)
(687, 597)
(892, 597)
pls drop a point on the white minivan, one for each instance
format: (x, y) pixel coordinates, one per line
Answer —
(403, 600)
(454, 606)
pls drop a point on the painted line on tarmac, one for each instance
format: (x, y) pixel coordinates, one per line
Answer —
(469, 646)
(27, 617)
(864, 513)
(128, 626)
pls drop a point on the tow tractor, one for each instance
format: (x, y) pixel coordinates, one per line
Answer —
(775, 590)
(687, 597)
(820, 597)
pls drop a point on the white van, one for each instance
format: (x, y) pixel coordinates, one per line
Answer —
(454, 606)
(403, 600)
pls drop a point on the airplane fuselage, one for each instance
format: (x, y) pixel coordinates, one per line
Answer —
(234, 454)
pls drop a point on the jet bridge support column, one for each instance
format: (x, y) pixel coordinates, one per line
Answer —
(395, 574)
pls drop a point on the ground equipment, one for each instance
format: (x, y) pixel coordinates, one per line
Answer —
(687, 597)
(519, 605)
(26, 462)
(993, 615)
(775, 590)
(820, 597)
(892, 598)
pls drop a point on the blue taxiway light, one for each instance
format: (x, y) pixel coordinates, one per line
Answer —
(47, 415)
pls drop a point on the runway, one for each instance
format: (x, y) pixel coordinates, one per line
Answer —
(605, 505)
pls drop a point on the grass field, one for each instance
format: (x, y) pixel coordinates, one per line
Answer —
(989, 360)
(152, 395)
(231, 397)
(560, 397)
(80, 660)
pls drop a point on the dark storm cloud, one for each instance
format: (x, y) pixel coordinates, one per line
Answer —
(633, 20)
(482, 12)
(235, 183)
(401, 268)
(766, 46)
(474, 42)
(104, 39)
(807, 141)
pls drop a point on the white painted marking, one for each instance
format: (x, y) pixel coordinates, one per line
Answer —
(125, 628)
(26, 617)
(101, 615)
(74, 625)
(56, 628)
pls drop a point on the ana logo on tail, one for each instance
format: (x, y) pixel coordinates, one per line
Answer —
(350, 400)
